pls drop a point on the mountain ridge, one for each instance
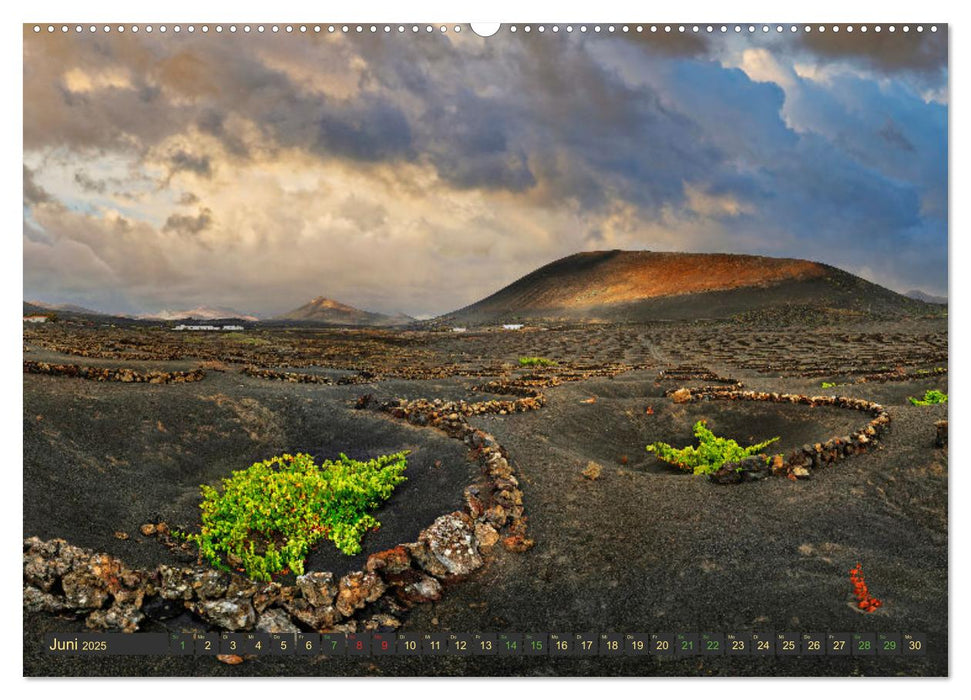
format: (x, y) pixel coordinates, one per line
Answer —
(639, 286)
(328, 311)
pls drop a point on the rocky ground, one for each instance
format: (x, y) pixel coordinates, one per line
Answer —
(631, 546)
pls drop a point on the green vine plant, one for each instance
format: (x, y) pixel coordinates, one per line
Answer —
(710, 454)
(932, 397)
(536, 362)
(267, 517)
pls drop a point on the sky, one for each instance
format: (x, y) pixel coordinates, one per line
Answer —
(418, 173)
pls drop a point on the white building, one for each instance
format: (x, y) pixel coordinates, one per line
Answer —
(512, 326)
(35, 318)
(184, 327)
(459, 330)
(232, 328)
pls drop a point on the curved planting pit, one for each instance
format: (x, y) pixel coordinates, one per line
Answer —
(798, 462)
(61, 578)
(437, 527)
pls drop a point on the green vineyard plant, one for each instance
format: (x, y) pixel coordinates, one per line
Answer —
(932, 397)
(710, 454)
(536, 362)
(267, 517)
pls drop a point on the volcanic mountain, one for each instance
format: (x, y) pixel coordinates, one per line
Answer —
(640, 286)
(324, 310)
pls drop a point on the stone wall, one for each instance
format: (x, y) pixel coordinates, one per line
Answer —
(64, 579)
(799, 463)
(112, 374)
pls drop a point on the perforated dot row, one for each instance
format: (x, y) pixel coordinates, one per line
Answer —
(721, 28)
(258, 28)
(442, 28)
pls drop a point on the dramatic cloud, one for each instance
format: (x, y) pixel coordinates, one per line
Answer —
(419, 173)
(889, 51)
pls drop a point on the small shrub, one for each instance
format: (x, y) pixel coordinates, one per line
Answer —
(931, 398)
(710, 454)
(536, 362)
(268, 516)
(829, 385)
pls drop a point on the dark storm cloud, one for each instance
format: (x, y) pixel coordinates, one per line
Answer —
(924, 52)
(213, 122)
(613, 138)
(186, 225)
(89, 184)
(673, 43)
(372, 130)
(33, 193)
(476, 143)
(180, 161)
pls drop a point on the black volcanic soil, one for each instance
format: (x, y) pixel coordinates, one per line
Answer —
(125, 455)
(644, 548)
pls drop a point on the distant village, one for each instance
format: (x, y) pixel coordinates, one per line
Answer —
(184, 327)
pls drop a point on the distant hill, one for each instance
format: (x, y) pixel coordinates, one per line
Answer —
(200, 313)
(40, 307)
(328, 311)
(924, 296)
(642, 286)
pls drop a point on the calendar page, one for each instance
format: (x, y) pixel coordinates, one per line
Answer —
(449, 349)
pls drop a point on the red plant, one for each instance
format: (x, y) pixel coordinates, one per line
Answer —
(865, 601)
